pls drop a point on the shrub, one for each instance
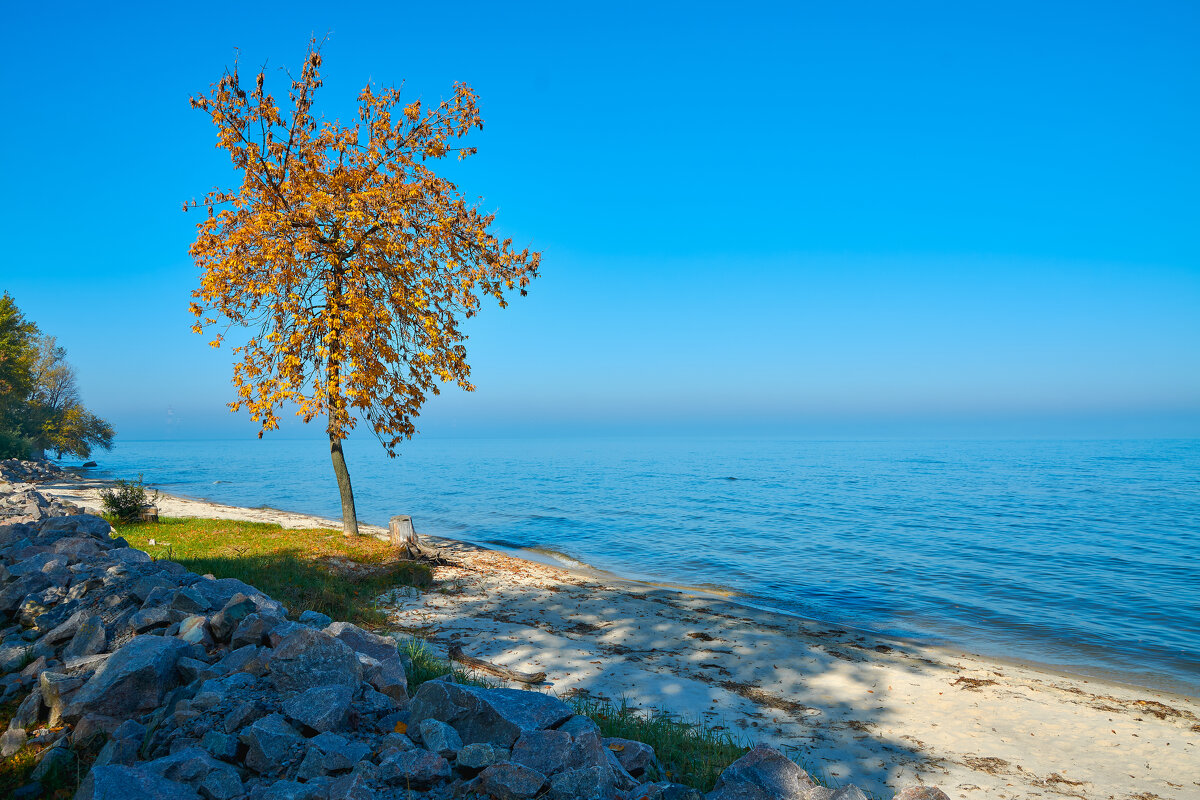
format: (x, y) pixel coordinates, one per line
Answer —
(126, 499)
(13, 445)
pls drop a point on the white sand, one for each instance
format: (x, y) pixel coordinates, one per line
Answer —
(854, 707)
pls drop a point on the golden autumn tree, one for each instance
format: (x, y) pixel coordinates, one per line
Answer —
(349, 263)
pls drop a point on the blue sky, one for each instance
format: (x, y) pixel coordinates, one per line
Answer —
(825, 219)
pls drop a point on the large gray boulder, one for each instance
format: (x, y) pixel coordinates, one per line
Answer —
(635, 757)
(495, 716)
(762, 774)
(414, 768)
(383, 667)
(323, 708)
(193, 766)
(510, 782)
(271, 744)
(133, 679)
(127, 783)
(307, 659)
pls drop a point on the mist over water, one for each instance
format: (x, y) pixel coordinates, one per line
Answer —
(1076, 554)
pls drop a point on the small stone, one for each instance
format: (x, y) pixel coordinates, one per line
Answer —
(190, 601)
(226, 620)
(636, 757)
(921, 793)
(475, 757)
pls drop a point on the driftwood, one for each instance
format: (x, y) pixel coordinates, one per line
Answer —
(456, 654)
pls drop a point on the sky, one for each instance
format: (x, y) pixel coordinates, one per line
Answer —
(822, 219)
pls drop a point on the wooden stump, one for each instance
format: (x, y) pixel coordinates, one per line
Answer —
(149, 514)
(403, 536)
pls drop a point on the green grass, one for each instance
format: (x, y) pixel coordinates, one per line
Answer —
(303, 568)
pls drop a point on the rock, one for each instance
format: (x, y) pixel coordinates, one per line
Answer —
(666, 791)
(254, 629)
(90, 638)
(495, 716)
(193, 630)
(111, 782)
(548, 752)
(354, 786)
(28, 711)
(191, 669)
(635, 757)
(323, 708)
(314, 619)
(922, 793)
(440, 738)
(387, 677)
(850, 792)
(236, 660)
(150, 618)
(390, 677)
(291, 790)
(56, 688)
(242, 715)
(56, 764)
(220, 745)
(307, 659)
(416, 768)
(227, 619)
(588, 783)
(762, 774)
(271, 744)
(11, 741)
(579, 724)
(480, 755)
(509, 782)
(189, 601)
(15, 593)
(134, 678)
(91, 728)
(216, 780)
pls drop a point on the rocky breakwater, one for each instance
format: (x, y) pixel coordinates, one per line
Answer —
(203, 688)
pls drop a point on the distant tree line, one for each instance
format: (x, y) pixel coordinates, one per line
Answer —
(40, 410)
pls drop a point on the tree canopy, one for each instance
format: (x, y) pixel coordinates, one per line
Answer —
(350, 262)
(40, 407)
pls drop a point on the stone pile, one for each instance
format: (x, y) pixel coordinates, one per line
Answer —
(15, 470)
(203, 688)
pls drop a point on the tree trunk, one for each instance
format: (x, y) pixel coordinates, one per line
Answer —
(349, 518)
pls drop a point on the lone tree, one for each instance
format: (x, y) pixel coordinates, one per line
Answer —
(351, 264)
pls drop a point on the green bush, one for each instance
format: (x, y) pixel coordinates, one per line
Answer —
(126, 499)
(13, 445)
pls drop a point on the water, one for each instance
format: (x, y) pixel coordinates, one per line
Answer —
(1076, 554)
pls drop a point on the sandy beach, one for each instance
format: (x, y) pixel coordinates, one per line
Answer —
(850, 706)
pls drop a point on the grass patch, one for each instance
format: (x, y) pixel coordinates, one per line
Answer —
(303, 568)
(691, 753)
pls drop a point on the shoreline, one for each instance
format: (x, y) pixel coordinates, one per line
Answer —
(887, 711)
(555, 559)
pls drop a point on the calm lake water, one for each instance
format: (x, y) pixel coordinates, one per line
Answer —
(1076, 554)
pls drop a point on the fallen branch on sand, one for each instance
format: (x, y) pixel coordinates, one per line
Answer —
(456, 654)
